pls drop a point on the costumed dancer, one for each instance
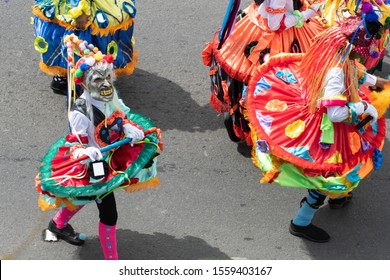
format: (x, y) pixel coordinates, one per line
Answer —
(109, 148)
(264, 29)
(108, 25)
(306, 112)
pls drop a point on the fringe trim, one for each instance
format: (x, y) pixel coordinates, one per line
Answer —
(271, 175)
(46, 206)
(381, 100)
(95, 29)
(57, 70)
(111, 30)
(224, 65)
(253, 151)
(143, 186)
(129, 68)
(37, 12)
(52, 70)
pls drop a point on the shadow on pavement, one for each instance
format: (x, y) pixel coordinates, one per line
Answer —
(133, 245)
(166, 103)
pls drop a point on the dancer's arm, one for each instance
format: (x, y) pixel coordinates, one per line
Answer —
(335, 88)
(278, 17)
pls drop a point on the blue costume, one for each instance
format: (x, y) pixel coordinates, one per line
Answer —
(109, 27)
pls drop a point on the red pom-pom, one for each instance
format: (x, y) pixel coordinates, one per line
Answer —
(109, 58)
(78, 80)
(76, 138)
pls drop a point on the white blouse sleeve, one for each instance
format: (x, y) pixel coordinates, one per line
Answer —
(274, 19)
(79, 123)
(370, 80)
(290, 20)
(334, 86)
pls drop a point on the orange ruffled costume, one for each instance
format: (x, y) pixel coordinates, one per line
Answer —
(254, 28)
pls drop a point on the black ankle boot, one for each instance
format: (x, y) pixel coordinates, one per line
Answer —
(339, 203)
(67, 234)
(310, 232)
(59, 85)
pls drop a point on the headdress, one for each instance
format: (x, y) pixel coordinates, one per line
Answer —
(89, 56)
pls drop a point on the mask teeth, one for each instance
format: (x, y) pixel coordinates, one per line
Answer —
(106, 92)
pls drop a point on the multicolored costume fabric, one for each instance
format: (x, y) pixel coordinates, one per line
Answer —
(297, 148)
(129, 167)
(110, 28)
(253, 39)
(339, 10)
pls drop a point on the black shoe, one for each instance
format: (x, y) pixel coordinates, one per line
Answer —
(338, 203)
(67, 234)
(310, 232)
(59, 85)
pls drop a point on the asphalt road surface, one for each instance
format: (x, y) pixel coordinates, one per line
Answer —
(210, 204)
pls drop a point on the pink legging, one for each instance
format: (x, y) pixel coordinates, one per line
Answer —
(107, 233)
(107, 236)
(63, 216)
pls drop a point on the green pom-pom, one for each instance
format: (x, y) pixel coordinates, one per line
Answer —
(78, 73)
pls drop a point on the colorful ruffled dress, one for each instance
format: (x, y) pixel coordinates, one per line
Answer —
(110, 28)
(249, 45)
(296, 148)
(251, 40)
(129, 167)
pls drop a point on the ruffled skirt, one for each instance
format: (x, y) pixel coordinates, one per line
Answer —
(251, 41)
(132, 168)
(287, 138)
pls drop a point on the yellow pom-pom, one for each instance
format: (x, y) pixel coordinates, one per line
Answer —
(98, 57)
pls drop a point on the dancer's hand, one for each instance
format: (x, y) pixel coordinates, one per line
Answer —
(82, 21)
(133, 132)
(93, 153)
(372, 112)
(363, 107)
(381, 82)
